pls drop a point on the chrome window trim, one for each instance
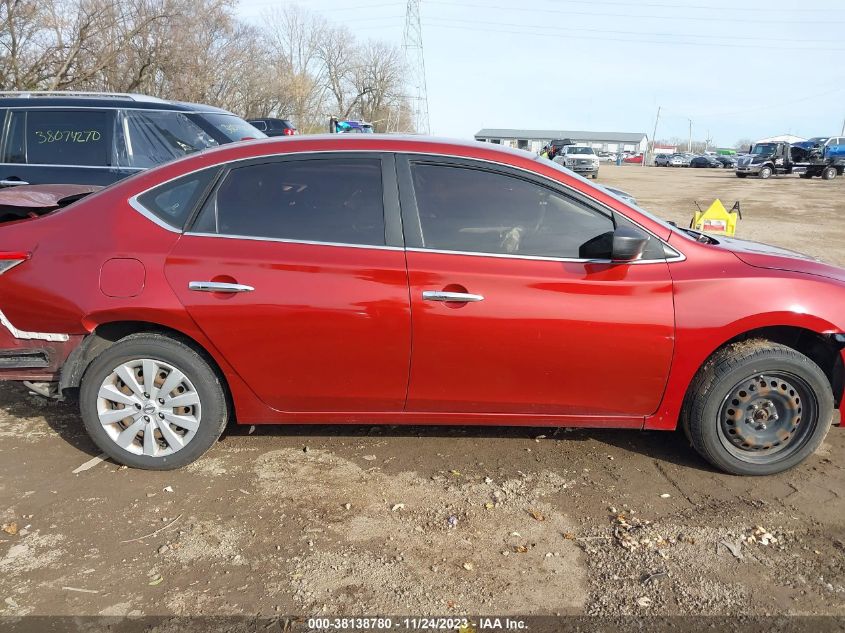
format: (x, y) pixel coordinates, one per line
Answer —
(133, 202)
(292, 241)
(140, 208)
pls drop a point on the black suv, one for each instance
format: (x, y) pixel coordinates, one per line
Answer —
(274, 127)
(99, 138)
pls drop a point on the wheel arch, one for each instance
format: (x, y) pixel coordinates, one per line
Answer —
(826, 350)
(107, 334)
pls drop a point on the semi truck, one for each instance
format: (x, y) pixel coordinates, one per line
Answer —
(819, 156)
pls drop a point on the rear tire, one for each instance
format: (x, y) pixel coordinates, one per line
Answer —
(175, 403)
(758, 408)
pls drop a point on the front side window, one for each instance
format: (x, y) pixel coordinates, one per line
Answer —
(173, 201)
(15, 150)
(321, 200)
(156, 137)
(479, 211)
(69, 137)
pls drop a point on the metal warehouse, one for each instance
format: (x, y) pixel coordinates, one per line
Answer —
(534, 140)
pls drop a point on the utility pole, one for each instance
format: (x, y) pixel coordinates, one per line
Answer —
(415, 60)
(654, 135)
(689, 145)
(843, 128)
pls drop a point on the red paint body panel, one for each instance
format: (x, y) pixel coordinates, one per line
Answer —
(550, 337)
(336, 334)
(326, 329)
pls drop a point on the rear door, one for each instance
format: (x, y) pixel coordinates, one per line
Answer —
(54, 145)
(295, 271)
(507, 315)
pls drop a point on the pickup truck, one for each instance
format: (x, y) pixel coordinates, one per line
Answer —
(581, 160)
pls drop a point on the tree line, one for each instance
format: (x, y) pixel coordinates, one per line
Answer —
(295, 65)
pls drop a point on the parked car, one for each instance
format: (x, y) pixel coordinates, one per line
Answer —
(728, 162)
(679, 160)
(704, 161)
(634, 158)
(581, 160)
(235, 283)
(273, 127)
(662, 160)
(100, 138)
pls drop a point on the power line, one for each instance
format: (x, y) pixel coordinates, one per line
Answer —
(768, 8)
(569, 35)
(650, 17)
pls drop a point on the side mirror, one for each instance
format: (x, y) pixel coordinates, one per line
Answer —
(628, 244)
(625, 244)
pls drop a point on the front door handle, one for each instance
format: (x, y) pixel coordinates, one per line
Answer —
(12, 183)
(457, 297)
(216, 286)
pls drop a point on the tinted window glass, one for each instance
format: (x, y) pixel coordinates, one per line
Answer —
(69, 137)
(473, 210)
(173, 201)
(157, 137)
(15, 150)
(326, 200)
(259, 125)
(226, 127)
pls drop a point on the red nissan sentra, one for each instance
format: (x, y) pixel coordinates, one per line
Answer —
(411, 280)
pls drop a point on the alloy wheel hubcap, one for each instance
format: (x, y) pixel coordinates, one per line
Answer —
(767, 414)
(148, 407)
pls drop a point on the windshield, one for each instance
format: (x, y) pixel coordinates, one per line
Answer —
(764, 148)
(579, 150)
(226, 128)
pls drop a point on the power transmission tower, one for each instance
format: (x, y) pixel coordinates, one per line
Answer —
(415, 61)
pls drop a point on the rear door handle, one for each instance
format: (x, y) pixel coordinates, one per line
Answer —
(216, 286)
(457, 297)
(12, 183)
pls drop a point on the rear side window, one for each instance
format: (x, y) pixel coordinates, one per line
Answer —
(69, 137)
(173, 201)
(157, 137)
(322, 200)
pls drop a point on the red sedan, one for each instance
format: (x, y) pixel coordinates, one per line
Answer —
(408, 280)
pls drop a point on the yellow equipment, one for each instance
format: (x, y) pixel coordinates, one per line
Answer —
(717, 219)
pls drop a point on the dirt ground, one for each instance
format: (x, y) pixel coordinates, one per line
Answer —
(425, 521)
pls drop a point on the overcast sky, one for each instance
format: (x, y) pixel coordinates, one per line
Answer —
(737, 68)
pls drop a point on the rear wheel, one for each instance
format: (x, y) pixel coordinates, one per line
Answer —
(758, 408)
(829, 173)
(765, 172)
(152, 402)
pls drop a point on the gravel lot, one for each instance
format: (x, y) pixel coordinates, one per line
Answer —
(393, 520)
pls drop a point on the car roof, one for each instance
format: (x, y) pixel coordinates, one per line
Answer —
(100, 100)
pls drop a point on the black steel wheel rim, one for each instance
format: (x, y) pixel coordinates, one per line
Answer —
(768, 417)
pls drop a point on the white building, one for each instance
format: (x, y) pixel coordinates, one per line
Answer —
(783, 138)
(534, 140)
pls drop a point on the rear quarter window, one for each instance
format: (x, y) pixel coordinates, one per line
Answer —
(172, 202)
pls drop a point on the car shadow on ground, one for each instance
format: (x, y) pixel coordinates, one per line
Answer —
(669, 447)
(662, 446)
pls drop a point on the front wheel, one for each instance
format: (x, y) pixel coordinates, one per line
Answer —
(765, 172)
(152, 402)
(829, 173)
(758, 408)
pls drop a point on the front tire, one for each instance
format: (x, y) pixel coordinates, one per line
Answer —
(765, 173)
(174, 402)
(829, 173)
(758, 408)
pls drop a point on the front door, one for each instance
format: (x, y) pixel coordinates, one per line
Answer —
(508, 318)
(288, 272)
